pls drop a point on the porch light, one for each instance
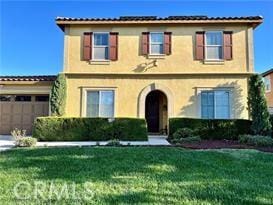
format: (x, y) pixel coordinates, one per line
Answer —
(155, 63)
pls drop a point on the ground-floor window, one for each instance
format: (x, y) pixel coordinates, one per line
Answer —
(215, 104)
(100, 103)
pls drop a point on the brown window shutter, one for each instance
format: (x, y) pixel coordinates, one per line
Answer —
(113, 52)
(200, 45)
(145, 43)
(87, 46)
(167, 43)
(227, 45)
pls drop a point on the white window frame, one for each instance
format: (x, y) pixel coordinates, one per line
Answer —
(150, 43)
(93, 46)
(214, 103)
(269, 81)
(222, 45)
(97, 90)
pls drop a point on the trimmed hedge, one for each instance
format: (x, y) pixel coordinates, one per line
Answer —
(211, 129)
(89, 129)
(256, 140)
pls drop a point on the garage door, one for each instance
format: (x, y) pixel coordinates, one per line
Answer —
(19, 111)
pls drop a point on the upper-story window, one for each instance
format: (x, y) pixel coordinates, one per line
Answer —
(267, 84)
(214, 45)
(101, 46)
(156, 43)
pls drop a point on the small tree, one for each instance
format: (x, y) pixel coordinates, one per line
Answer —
(258, 106)
(58, 96)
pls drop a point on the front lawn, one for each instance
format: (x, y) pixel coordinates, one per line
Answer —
(122, 175)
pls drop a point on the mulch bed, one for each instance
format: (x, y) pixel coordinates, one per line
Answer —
(218, 144)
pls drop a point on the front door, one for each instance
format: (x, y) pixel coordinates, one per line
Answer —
(152, 111)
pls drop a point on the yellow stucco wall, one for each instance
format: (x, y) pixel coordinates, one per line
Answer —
(179, 72)
(184, 90)
(181, 60)
(25, 87)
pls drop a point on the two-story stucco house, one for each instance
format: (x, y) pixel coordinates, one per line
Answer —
(157, 68)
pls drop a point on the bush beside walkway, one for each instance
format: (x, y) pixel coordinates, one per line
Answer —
(89, 129)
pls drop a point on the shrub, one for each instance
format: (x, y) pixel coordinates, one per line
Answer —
(17, 133)
(114, 143)
(258, 106)
(129, 129)
(256, 140)
(211, 129)
(89, 129)
(194, 139)
(271, 122)
(26, 142)
(58, 96)
(21, 140)
(183, 133)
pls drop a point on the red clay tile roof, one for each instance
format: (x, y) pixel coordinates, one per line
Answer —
(155, 18)
(254, 20)
(28, 78)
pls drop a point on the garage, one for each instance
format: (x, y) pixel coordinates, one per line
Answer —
(19, 111)
(22, 99)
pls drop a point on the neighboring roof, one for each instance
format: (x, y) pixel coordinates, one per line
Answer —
(267, 72)
(28, 78)
(255, 20)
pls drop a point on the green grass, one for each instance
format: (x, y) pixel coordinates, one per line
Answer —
(137, 175)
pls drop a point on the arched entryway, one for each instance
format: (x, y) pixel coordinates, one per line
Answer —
(149, 89)
(156, 112)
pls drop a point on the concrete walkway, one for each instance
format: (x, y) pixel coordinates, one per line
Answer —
(158, 140)
(153, 140)
(6, 142)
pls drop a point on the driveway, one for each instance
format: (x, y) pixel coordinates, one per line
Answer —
(6, 142)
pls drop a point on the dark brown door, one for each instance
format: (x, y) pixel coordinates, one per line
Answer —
(152, 111)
